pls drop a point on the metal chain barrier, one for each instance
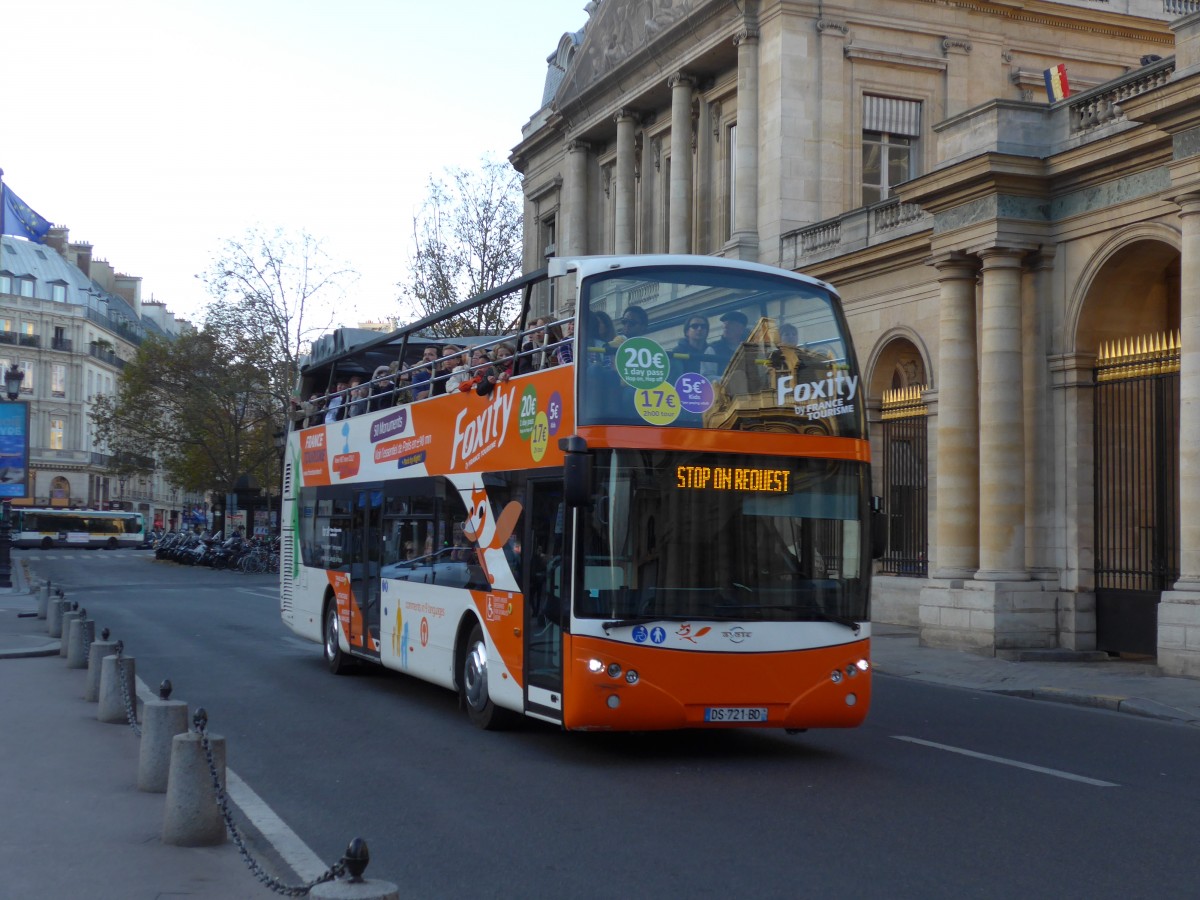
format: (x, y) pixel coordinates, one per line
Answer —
(200, 720)
(130, 711)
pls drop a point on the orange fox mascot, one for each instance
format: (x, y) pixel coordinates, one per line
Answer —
(490, 535)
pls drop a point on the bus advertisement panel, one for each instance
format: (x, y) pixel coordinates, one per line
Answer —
(650, 530)
(14, 450)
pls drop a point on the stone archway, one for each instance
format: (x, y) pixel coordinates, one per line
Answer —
(898, 376)
(1128, 320)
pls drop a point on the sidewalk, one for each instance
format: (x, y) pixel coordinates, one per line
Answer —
(75, 825)
(85, 831)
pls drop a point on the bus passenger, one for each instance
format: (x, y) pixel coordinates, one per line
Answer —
(445, 368)
(357, 399)
(460, 374)
(692, 353)
(634, 322)
(731, 338)
(423, 376)
(478, 370)
(381, 389)
(500, 371)
(334, 403)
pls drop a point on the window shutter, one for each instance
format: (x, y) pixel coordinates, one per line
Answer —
(890, 115)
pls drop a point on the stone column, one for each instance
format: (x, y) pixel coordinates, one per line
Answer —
(958, 74)
(745, 210)
(832, 145)
(623, 201)
(679, 232)
(702, 226)
(957, 469)
(1001, 422)
(575, 241)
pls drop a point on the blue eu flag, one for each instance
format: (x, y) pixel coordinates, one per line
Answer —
(16, 218)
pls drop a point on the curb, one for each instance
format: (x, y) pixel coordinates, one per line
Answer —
(48, 650)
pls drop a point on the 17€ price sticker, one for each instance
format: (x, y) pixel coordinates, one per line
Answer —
(658, 405)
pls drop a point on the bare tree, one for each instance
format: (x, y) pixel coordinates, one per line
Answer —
(272, 287)
(467, 236)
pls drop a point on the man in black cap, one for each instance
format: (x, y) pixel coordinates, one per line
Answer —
(731, 338)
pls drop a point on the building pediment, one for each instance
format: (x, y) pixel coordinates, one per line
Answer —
(622, 32)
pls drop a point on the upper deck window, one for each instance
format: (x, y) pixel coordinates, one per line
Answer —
(699, 347)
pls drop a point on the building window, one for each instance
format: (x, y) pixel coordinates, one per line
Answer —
(29, 367)
(26, 287)
(27, 328)
(58, 380)
(5, 284)
(89, 383)
(58, 292)
(891, 128)
(56, 434)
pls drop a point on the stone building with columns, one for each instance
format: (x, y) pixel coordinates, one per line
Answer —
(1018, 274)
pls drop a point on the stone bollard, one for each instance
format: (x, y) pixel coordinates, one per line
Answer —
(96, 653)
(112, 697)
(44, 600)
(54, 616)
(83, 630)
(355, 887)
(162, 719)
(192, 817)
(68, 618)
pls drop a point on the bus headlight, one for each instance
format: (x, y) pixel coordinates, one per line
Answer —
(863, 665)
(614, 670)
(631, 676)
(595, 665)
(836, 675)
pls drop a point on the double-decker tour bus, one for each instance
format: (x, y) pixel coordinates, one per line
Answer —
(639, 528)
(48, 528)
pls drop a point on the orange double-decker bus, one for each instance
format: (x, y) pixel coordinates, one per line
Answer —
(660, 519)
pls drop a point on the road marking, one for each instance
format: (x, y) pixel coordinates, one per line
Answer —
(286, 842)
(1057, 773)
(304, 862)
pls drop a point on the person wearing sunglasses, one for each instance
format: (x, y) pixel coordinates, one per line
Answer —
(692, 353)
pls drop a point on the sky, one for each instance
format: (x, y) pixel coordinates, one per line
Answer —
(157, 129)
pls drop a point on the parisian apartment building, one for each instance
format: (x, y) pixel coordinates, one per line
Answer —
(1007, 197)
(70, 322)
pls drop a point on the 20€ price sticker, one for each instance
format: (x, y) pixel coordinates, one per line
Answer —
(657, 405)
(641, 363)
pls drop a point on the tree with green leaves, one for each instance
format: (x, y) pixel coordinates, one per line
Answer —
(467, 236)
(201, 403)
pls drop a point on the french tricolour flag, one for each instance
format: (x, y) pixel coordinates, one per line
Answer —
(1056, 83)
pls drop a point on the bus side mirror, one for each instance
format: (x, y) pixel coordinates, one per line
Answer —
(878, 528)
(577, 472)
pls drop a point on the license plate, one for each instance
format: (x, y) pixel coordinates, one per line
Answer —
(735, 714)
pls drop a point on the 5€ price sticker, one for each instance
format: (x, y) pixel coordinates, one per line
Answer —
(658, 405)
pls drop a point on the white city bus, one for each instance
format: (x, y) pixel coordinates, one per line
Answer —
(48, 528)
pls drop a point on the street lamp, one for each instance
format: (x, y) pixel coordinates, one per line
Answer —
(13, 377)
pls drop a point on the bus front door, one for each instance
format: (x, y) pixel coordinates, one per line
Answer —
(545, 589)
(367, 521)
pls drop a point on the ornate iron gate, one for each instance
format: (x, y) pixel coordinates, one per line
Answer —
(1136, 488)
(905, 483)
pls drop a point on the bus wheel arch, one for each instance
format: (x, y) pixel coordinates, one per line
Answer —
(337, 661)
(471, 676)
(110, 544)
(47, 543)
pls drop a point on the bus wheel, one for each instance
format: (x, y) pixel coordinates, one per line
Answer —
(334, 657)
(474, 685)
(47, 543)
(111, 544)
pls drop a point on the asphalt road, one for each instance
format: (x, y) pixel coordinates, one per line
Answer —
(943, 793)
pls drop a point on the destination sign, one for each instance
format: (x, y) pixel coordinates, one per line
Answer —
(750, 479)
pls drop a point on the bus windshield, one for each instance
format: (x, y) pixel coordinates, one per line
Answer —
(691, 347)
(728, 537)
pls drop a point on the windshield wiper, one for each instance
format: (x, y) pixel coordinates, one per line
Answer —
(643, 620)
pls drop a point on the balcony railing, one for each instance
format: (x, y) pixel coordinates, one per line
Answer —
(1102, 105)
(63, 344)
(29, 340)
(105, 355)
(853, 230)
